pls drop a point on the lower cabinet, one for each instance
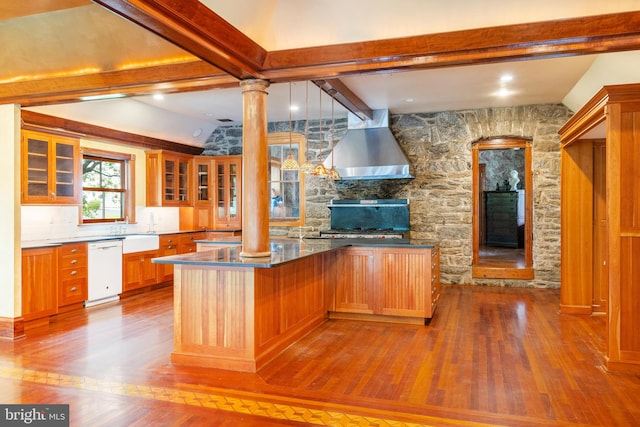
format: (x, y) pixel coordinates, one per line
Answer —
(39, 282)
(72, 274)
(389, 281)
(173, 244)
(355, 281)
(138, 271)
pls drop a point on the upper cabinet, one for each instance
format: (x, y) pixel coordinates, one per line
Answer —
(168, 178)
(50, 169)
(218, 192)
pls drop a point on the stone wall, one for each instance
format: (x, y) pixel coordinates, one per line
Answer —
(439, 148)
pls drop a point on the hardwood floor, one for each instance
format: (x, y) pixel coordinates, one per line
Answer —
(489, 256)
(491, 356)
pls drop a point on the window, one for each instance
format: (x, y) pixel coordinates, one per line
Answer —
(106, 192)
(286, 187)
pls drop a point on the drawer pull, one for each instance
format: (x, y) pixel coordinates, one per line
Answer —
(74, 272)
(170, 247)
(74, 261)
(73, 289)
(74, 250)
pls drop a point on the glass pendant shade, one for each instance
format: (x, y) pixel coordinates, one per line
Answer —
(290, 163)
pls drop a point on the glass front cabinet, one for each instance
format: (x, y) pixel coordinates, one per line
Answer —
(168, 178)
(50, 169)
(217, 204)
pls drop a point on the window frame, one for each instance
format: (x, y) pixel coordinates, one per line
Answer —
(128, 183)
(282, 138)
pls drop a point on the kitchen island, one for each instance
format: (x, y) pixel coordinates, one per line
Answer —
(239, 313)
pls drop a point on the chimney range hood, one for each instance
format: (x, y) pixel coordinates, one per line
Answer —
(369, 150)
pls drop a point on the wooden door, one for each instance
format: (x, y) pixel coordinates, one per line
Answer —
(600, 230)
(39, 282)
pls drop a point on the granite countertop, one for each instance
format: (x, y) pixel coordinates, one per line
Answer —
(29, 244)
(283, 250)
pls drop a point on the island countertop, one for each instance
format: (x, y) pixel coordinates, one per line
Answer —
(226, 253)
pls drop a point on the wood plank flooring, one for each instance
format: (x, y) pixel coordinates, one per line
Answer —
(491, 356)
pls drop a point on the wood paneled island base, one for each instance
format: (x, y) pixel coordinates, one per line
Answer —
(240, 313)
(240, 318)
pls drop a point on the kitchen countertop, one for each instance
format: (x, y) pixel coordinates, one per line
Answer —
(30, 244)
(283, 250)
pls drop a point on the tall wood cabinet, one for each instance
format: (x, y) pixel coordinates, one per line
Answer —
(169, 177)
(218, 192)
(51, 169)
(586, 244)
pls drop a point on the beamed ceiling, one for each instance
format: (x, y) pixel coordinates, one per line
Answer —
(405, 56)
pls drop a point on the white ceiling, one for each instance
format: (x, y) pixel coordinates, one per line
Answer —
(178, 117)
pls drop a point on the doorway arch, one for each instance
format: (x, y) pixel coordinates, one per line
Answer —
(502, 267)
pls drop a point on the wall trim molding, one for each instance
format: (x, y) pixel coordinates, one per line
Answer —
(11, 328)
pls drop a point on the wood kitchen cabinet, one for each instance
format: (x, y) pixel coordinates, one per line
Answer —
(173, 244)
(72, 274)
(355, 281)
(138, 271)
(50, 170)
(39, 282)
(218, 195)
(387, 283)
(409, 282)
(169, 177)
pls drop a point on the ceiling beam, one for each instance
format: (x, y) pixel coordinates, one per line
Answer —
(196, 75)
(39, 121)
(195, 28)
(565, 37)
(349, 100)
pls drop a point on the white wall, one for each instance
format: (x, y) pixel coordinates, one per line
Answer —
(10, 261)
(55, 222)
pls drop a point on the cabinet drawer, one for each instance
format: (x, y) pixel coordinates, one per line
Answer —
(72, 290)
(75, 272)
(73, 261)
(73, 249)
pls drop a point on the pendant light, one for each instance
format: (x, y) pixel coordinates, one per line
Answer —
(290, 163)
(333, 173)
(320, 170)
(307, 166)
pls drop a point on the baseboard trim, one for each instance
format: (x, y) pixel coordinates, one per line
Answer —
(11, 328)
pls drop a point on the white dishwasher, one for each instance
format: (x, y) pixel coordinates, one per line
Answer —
(105, 271)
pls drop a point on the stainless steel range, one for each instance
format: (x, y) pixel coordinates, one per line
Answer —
(376, 219)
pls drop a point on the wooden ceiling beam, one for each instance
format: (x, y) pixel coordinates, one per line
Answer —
(38, 121)
(172, 78)
(195, 28)
(349, 100)
(565, 37)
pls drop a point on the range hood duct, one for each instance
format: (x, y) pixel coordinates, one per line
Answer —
(369, 150)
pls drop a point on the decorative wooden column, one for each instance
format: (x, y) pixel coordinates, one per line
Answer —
(255, 169)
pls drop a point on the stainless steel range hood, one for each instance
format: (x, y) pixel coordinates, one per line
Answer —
(369, 150)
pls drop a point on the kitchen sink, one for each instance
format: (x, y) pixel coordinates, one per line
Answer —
(140, 242)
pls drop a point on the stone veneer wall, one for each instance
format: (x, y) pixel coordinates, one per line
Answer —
(439, 148)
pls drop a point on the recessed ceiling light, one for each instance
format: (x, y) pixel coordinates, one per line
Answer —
(103, 96)
(506, 78)
(408, 100)
(294, 108)
(158, 97)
